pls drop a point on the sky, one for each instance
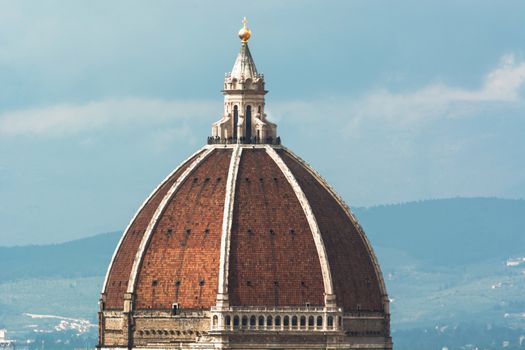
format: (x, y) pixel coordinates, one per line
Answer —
(391, 101)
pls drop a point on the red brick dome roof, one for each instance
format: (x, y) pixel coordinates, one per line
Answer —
(249, 225)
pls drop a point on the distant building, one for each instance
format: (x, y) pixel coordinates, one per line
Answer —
(244, 246)
(5, 343)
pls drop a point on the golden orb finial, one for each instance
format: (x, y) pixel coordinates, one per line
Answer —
(245, 33)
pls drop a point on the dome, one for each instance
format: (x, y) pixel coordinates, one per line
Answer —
(244, 246)
(254, 220)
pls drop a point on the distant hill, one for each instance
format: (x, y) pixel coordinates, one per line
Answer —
(80, 258)
(448, 231)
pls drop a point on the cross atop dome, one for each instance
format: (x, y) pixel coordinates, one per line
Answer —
(244, 120)
(245, 33)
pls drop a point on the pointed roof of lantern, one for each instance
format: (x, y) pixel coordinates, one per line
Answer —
(244, 66)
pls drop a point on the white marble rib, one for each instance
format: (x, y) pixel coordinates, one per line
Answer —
(104, 285)
(312, 222)
(156, 216)
(222, 291)
(350, 215)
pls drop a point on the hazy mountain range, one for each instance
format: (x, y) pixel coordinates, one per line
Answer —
(454, 268)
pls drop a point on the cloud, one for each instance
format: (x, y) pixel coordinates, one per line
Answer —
(505, 82)
(407, 110)
(67, 119)
(502, 85)
(411, 109)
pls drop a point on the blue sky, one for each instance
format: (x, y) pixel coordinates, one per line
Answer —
(390, 101)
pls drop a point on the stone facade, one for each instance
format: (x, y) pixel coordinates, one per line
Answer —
(248, 328)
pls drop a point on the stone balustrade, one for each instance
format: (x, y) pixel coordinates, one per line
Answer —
(276, 319)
